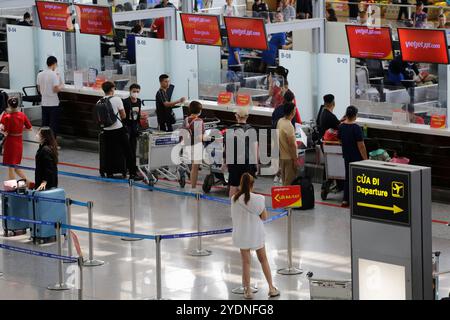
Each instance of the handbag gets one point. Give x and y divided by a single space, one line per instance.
18 186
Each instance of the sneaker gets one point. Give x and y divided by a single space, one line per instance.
274 293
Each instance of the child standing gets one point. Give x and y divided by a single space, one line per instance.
14 123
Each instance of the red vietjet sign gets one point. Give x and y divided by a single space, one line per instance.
369 43
286 197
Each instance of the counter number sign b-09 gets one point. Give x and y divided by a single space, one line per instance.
380 195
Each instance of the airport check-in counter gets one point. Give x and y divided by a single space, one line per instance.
424 146
77 116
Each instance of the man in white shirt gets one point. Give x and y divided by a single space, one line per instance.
116 135
49 84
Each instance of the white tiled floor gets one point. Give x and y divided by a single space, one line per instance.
321 245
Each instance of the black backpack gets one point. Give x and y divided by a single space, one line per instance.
3 100
307 190
105 113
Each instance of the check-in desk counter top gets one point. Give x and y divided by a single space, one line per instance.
423 145
259 117
77 117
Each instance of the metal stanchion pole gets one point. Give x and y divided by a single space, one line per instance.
80 282
91 262
60 285
69 222
290 270
199 252
132 212
436 274
158 269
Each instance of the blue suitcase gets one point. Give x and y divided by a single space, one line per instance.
16 207
48 211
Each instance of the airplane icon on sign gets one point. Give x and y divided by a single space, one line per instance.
398 189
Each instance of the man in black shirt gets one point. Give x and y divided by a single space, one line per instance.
27 22
326 118
164 104
132 107
164 4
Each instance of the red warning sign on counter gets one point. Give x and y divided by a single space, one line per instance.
243 100
286 197
224 98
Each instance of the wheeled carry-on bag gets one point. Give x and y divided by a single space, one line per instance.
15 206
307 190
111 161
48 211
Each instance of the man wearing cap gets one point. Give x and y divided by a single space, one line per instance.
241 145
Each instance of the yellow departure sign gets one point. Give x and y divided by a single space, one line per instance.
379 194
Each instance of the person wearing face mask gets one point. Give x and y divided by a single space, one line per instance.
131 43
46 173
132 107
49 84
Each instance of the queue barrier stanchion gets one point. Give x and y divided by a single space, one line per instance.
158 269
60 285
290 269
80 279
69 222
436 274
132 212
199 252
91 262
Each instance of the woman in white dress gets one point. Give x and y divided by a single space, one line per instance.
248 212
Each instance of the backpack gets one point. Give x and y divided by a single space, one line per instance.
307 190
3 100
105 113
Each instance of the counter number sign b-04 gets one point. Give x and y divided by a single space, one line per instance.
380 195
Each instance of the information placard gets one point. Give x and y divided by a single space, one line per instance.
95 19
201 29
224 98
55 16
423 45
246 33
286 197
369 43
380 195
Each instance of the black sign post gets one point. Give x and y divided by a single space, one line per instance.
390 231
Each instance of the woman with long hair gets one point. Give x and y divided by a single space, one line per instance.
46 174
248 212
14 123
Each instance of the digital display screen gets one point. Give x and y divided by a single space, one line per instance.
246 33
95 20
423 45
369 43
54 16
201 29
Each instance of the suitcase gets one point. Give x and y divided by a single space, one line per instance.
111 161
48 211
16 207
307 189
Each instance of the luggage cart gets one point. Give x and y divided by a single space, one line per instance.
215 151
334 167
155 152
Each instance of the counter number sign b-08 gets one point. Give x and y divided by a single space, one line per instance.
380 195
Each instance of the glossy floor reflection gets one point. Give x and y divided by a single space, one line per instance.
321 243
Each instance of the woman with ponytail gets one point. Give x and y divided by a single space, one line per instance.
248 212
14 122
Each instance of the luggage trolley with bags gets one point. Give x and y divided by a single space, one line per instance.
159 148
334 167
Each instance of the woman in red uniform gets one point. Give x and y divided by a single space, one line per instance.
14 123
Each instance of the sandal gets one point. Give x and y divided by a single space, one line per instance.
248 294
274 293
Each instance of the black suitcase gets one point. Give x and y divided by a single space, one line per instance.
307 190
112 160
